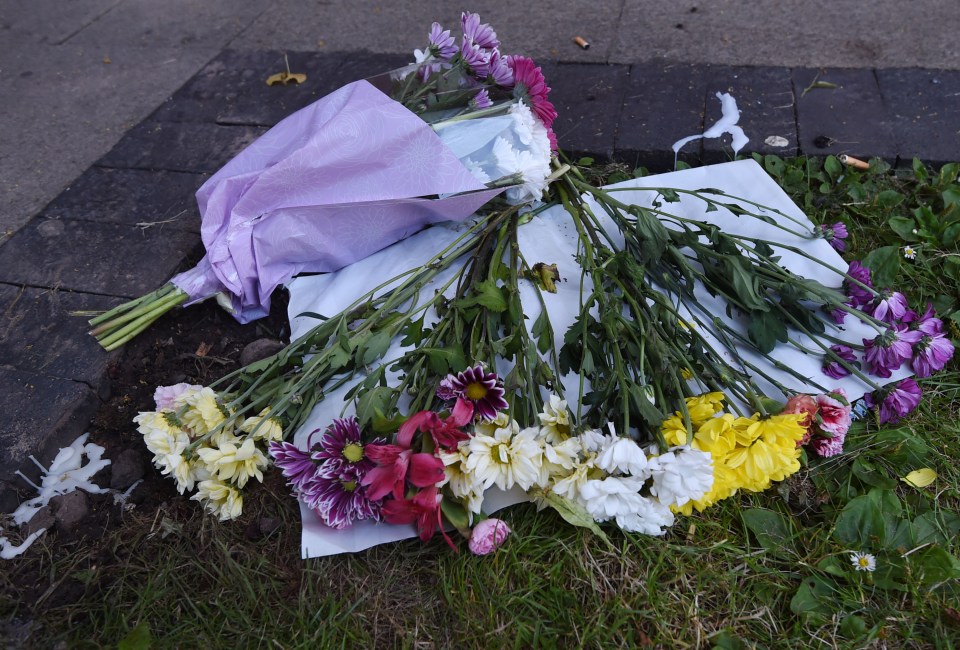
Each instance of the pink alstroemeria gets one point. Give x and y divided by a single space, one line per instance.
446 432
396 465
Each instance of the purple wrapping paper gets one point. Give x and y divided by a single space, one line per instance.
329 185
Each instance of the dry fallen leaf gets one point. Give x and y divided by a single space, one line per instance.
203 349
920 478
285 78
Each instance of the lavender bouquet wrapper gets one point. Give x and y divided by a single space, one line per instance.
329 185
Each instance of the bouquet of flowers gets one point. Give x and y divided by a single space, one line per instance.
654 387
360 169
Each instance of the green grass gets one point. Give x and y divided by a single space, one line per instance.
177 578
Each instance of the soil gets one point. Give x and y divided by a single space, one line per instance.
197 345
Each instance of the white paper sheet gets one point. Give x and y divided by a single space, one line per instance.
551 238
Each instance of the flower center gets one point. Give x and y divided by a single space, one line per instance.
864 562
475 391
352 452
348 486
500 454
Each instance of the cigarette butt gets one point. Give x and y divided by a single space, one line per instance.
582 42
856 163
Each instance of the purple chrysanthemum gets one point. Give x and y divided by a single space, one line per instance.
480 33
483 389
889 350
442 45
860 273
340 446
895 401
832 367
338 497
835 235
931 354
889 306
928 323
500 70
481 100
476 59
297 465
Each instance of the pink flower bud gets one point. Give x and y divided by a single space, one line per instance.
487 536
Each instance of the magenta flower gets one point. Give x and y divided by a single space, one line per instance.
826 447
481 34
297 466
889 306
835 235
931 354
423 509
889 350
442 45
340 446
483 389
530 87
487 536
895 401
337 495
833 415
396 465
832 367
860 295
446 433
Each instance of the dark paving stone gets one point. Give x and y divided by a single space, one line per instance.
765 98
367 65
41 415
850 118
180 146
588 98
97 258
925 108
663 102
232 89
38 334
133 197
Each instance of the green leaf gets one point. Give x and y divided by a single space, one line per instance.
456 514
832 166
371 402
374 347
884 265
745 283
860 525
770 528
486 294
139 638
543 332
904 227
444 360
573 513
814 597
866 472
933 565
765 329
853 627
889 199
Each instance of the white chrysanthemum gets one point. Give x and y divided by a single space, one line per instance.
613 496
489 427
569 486
532 170
681 475
230 462
219 499
593 440
461 482
186 473
555 420
269 430
166 446
476 169
624 456
650 518
504 459
530 131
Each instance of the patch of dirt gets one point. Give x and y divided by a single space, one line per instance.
197 345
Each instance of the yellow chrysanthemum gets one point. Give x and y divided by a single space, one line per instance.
219 499
705 406
230 462
674 431
203 412
269 430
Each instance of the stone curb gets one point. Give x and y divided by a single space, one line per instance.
127 223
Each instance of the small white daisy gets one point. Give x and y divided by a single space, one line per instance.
909 252
863 561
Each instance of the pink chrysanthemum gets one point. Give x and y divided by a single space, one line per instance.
340 445
530 87
483 389
338 497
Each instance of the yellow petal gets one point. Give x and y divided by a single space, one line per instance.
920 478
